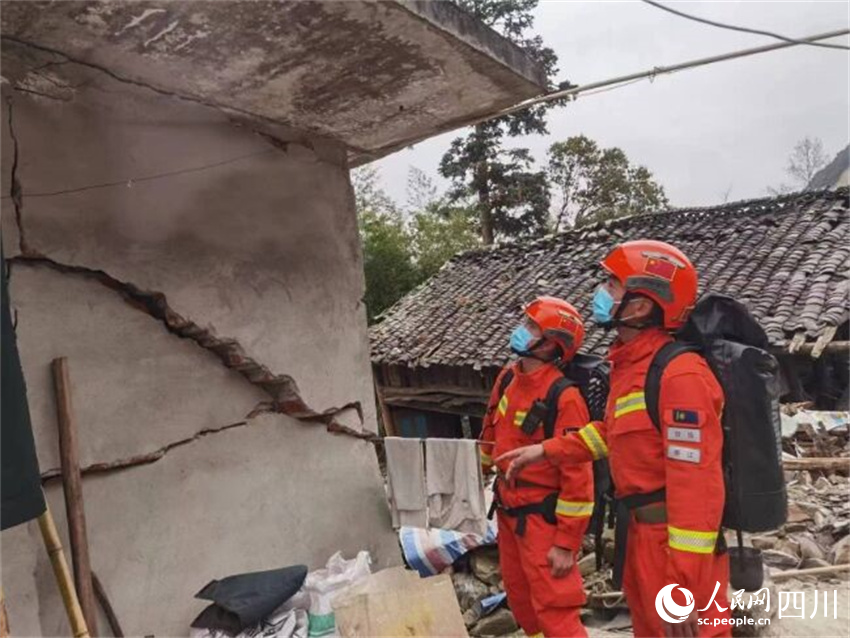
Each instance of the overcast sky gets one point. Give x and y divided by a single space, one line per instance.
703 132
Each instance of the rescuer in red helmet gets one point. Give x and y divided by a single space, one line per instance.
668 480
543 515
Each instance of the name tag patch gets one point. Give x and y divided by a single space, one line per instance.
682 453
689 435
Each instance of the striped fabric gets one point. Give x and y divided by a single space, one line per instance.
594 441
689 540
629 403
503 405
574 509
519 417
431 551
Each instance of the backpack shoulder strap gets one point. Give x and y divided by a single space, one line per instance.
652 385
553 397
505 381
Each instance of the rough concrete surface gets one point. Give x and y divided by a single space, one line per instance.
262 249
269 494
178 258
299 63
135 387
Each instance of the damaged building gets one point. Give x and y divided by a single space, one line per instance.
436 353
178 222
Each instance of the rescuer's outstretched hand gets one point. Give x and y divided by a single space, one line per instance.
519 458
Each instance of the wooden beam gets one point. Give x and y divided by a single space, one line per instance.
827 464
832 347
813 571
386 412
72 483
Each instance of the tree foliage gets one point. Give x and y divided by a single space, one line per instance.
403 248
594 184
509 197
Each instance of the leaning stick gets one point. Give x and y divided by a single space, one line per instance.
63 574
72 483
103 599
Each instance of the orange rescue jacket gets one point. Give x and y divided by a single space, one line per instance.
501 432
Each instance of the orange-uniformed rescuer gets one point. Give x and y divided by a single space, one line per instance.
544 515
669 482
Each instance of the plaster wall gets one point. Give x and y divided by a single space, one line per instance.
180 260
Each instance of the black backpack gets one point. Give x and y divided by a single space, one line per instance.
591 375
733 344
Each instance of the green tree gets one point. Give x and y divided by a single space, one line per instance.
511 199
440 229
593 184
388 249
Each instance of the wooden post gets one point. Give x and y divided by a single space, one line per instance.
72 483
63 574
386 412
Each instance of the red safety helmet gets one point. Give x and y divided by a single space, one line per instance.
558 321
659 271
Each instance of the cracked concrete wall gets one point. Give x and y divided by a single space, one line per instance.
198 276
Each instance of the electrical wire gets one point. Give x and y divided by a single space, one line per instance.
733 27
147 178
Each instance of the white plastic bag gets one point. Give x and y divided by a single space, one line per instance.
323 585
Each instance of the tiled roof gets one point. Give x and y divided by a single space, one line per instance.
786 258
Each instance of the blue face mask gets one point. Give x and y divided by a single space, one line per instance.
521 341
603 307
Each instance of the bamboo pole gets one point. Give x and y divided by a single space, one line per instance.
4 619
72 483
63 574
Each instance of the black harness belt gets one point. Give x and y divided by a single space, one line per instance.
546 508
625 506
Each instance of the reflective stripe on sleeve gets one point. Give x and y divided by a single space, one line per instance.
594 442
629 403
503 405
519 417
689 540
574 508
486 459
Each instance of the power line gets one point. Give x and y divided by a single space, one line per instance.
620 81
733 27
651 73
147 178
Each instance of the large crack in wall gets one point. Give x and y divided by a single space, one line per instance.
281 388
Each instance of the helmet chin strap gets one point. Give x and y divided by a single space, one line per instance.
530 354
617 320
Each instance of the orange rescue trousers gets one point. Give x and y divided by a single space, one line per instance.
541 603
645 573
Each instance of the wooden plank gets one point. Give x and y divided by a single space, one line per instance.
818 463
72 483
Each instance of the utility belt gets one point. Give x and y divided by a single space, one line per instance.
648 509
545 508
